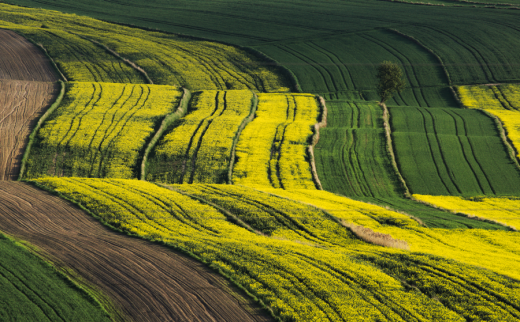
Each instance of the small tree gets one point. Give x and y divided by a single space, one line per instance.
390 80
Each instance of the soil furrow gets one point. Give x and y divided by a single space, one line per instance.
146 282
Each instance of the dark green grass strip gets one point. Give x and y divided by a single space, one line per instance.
32 290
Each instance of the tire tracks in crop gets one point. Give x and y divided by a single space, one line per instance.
146 281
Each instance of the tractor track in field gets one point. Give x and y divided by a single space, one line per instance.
145 281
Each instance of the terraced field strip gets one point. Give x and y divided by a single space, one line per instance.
21 60
21 104
145 281
298 275
272 149
197 148
167 59
351 155
505 211
452 152
100 130
32 290
78 59
502 101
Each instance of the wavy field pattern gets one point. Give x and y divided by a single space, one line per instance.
452 152
197 148
100 130
336 283
272 149
168 59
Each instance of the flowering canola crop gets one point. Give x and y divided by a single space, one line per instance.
298 280
272 149
100 130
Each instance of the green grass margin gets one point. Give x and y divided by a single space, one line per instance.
167 121
42 119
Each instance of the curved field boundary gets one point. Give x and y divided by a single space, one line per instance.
145 281
168 121
127 61
390 148
101 130
35 130
21 60
56 68
249 118
315 139
33 290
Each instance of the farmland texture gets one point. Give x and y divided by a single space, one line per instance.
197 148
352 160
100 130
21 104
452 152
272 150
21 60
345 279
501 101
167 59
326 45
503 210
144 282
33 290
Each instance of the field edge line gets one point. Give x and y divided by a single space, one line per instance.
127 61
461 214
390 148
314 141
248 119
42 119
167 121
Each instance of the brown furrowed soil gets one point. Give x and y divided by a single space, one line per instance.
21 60
21 104
146 281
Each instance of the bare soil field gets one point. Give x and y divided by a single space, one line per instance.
146 281
21 60
21 104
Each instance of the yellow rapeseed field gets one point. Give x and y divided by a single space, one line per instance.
502 210
272 149
100 129
502 101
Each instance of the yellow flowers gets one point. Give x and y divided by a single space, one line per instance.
502 210
100 129
299 281
272 149
198 149
502 101
168 59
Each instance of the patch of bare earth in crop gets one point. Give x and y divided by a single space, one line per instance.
146 281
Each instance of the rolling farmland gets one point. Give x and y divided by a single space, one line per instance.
197 148
452 152
34 290
257 201
166 59
299 284
272 149
142 281
100 130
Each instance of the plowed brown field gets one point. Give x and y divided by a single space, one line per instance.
21 60
147 282
21 104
